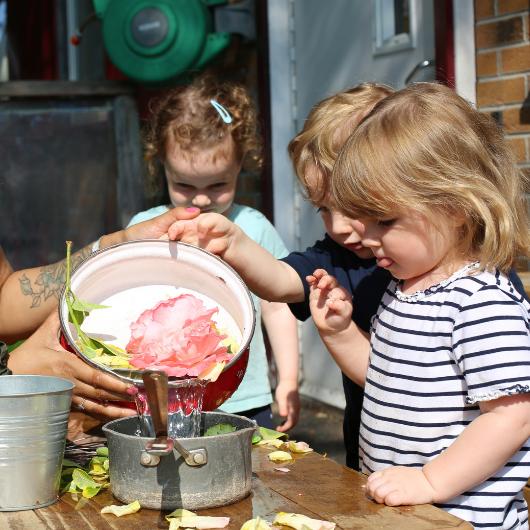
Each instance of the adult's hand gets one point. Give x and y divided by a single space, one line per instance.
94 390
152 229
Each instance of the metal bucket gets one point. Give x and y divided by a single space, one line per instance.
33 421
169 482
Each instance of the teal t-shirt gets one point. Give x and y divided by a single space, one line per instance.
254 391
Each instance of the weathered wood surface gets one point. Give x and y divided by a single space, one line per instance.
315 486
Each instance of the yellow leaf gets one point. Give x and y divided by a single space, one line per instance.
272 443
298 447
279 456
119 511
255 524
181 518
179 512
301 522
113 361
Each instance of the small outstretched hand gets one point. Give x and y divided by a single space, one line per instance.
210 231
288 400
330 304
399 485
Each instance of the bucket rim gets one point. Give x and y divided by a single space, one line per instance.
68 385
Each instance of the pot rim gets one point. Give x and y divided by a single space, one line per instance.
108 428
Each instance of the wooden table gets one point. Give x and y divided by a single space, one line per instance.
315 486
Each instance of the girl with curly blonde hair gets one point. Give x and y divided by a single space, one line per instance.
202 135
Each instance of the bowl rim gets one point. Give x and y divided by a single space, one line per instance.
135 376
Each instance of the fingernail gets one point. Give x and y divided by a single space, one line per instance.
192 209
132 391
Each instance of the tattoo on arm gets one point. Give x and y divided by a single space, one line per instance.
50 279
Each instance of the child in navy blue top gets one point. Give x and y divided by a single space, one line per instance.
313 152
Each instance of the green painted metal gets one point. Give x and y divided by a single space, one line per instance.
154 41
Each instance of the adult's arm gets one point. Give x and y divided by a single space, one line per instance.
28 296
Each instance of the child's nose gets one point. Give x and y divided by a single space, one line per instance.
201 200
339 224
370 237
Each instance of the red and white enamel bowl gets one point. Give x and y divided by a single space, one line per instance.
132 277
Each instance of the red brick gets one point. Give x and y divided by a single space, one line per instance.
511 6
508 31
483 9
486 64
501 91
517 119
518 146
515 59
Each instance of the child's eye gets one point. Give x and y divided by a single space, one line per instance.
386 222
182 186
322 209
218 185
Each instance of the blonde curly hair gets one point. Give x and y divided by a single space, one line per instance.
327 126
425 148
186 117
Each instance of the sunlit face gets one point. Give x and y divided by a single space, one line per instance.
205 179
414 248
343 230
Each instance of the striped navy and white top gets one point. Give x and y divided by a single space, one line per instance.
433 358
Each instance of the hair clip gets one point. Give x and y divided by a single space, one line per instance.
225 115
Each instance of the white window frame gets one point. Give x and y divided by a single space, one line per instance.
381 48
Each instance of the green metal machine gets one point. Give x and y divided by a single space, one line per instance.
153 41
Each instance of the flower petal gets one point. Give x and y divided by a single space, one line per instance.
179 337
301 522
119 511
279 456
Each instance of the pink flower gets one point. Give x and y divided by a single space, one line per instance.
178 337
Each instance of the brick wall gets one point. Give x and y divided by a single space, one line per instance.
502 39
503 68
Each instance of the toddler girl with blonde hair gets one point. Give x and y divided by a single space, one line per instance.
446 372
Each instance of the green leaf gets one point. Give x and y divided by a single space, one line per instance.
220 428
256 438
269 434
91 491
69 463
110 349
83 480
86 307
102 451
94 349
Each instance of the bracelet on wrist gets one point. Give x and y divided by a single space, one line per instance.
4 357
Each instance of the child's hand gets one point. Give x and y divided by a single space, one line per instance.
330 304
288 401
210 231
400 485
